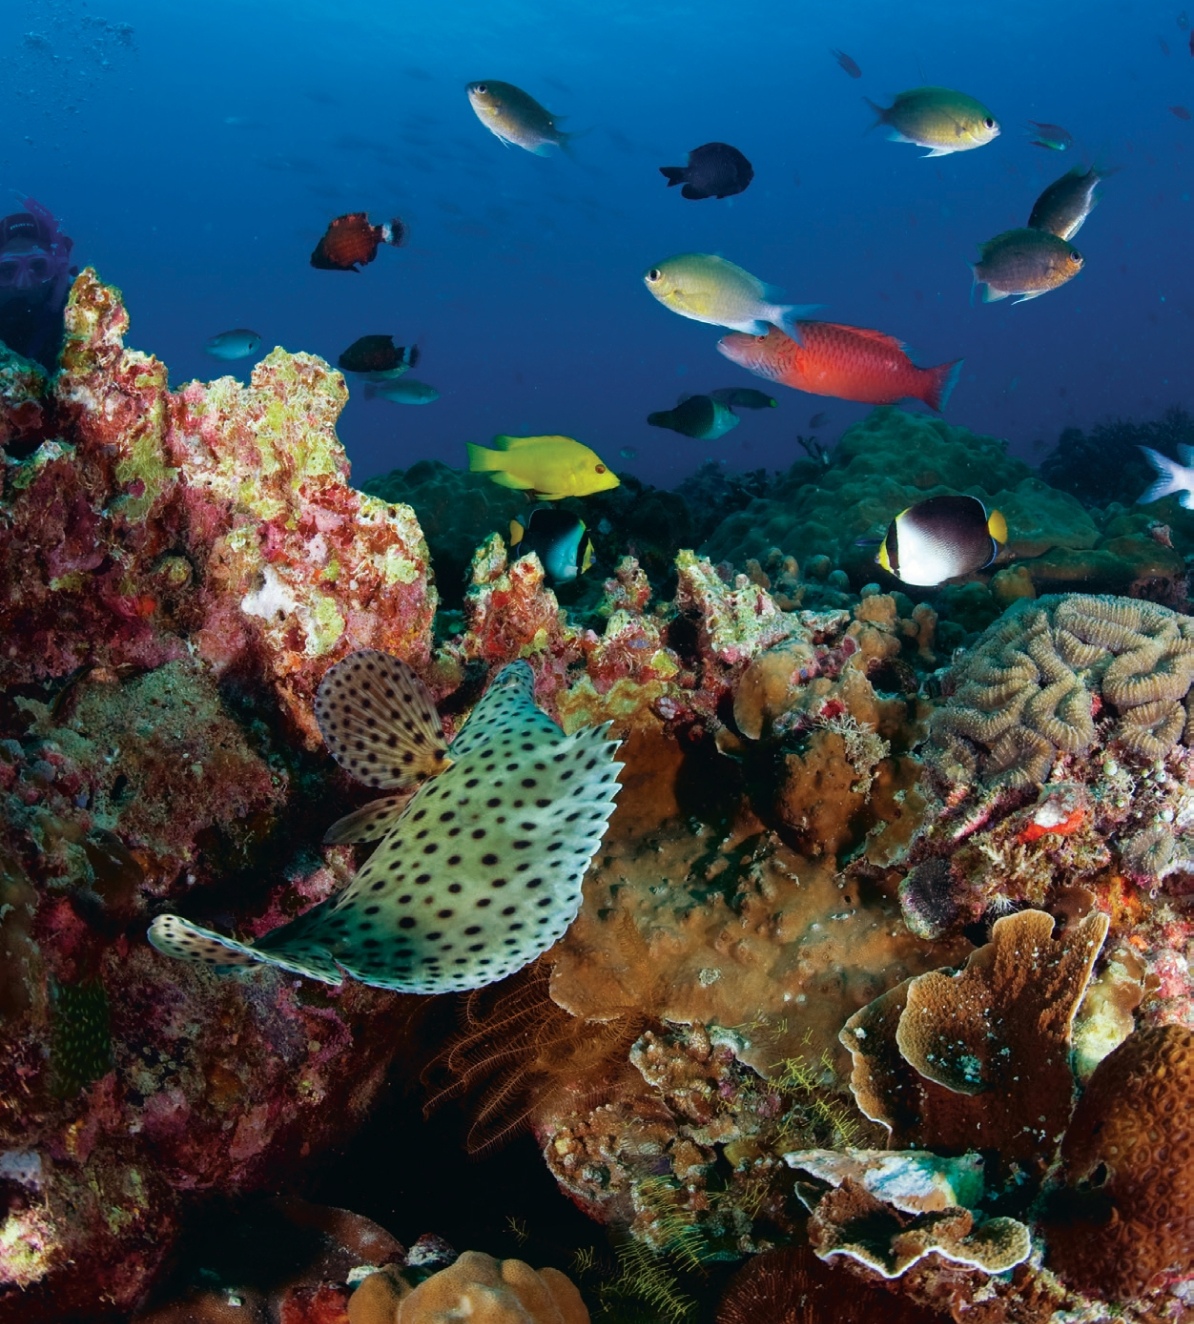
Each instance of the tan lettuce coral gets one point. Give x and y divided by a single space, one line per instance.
979 1060
850 1222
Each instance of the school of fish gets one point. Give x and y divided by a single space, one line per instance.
778 341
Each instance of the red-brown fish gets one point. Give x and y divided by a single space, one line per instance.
846 362
352 241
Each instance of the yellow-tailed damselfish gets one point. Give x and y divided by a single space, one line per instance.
941 538
555 467
558 538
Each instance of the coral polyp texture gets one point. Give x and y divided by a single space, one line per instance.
1124 1215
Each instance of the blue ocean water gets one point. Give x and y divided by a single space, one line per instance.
196 152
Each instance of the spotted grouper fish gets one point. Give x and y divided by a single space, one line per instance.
478 871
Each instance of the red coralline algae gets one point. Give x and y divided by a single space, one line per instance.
220 514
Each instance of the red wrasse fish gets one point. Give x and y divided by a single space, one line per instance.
846 362
351 241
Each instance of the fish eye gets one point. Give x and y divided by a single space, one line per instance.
989 122
1075 256
481 87
654 274
601 468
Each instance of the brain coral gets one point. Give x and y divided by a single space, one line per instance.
1059 676
1127 1212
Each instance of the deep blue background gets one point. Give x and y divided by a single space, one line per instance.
197 166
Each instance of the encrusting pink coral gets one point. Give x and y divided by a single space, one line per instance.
179 569
220 512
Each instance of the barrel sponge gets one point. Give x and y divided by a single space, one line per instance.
1030 690
1126 1213
483 1290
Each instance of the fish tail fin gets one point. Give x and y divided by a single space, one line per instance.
481 460
997 527
410 355
298 951
1169 478
942 380
673 174
787 316
394 232
661 419
880 114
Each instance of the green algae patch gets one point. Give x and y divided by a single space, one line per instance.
325 624
146 464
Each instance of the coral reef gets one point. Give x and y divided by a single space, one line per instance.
769 1023
1125 1214
180 569
218 513
881 465
1058 760
475 1287
980 1060
893 459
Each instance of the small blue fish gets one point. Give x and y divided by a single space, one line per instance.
229 345
401 391
1050 136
